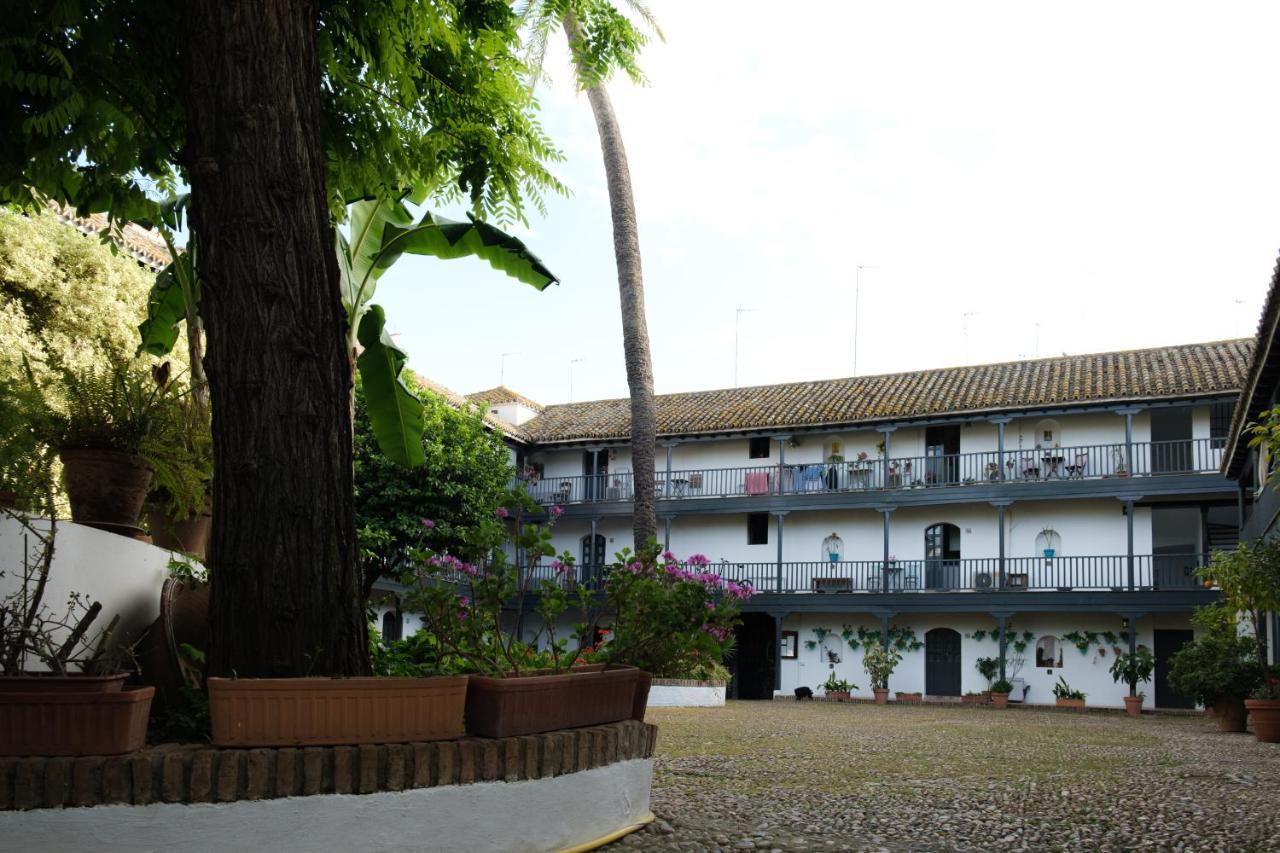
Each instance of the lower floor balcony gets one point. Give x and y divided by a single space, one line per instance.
1103 573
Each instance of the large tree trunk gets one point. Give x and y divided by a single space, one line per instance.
285 590
635 329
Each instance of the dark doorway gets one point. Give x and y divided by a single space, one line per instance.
942 556
942 662
941 449
1176 534
754 657
1168 641
591 558
1171 440
595 465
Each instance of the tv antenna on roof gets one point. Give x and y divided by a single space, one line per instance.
502 366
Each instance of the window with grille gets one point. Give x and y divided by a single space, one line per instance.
1219 423
758 528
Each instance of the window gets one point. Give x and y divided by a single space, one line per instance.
1048 654
392 626
758 528
1219 423
758 448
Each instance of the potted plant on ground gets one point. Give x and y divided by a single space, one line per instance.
879 663
1133 669
910 698
55 710
837 688
1219 668
989 669
180 504
1000 691
1263 705
1065 696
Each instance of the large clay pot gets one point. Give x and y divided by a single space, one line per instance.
1133 706
1265 715
881 694
999 700
1231 715
104 486
183 619
190 536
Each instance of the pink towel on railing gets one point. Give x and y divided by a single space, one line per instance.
757 483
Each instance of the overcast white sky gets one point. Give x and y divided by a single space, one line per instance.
1074 178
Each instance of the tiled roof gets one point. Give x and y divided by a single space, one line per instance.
1264 372
1191 370
503 394
458 401
144 246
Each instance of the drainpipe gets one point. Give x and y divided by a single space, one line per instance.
884 571
1003 575
779 516
884 629
1002 620
1132 619
1128 511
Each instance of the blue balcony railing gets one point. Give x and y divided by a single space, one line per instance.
1034 465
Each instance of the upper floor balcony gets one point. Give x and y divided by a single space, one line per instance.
1010 467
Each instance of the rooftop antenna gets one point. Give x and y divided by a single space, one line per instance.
572 362
857 311
737 321
502 366
964 322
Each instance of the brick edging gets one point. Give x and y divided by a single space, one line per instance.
172 773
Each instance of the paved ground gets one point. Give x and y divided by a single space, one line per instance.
787 776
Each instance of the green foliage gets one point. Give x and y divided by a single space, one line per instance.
1249 575
704 670
25 461
837 685
179 447
1062 690
1001 686
427 95
880 663
989 669
1133 669
465 473
418 656
605 40
1082 640
115 407
1265 433
1219 664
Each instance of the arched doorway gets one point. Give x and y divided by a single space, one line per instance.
942 556
942 662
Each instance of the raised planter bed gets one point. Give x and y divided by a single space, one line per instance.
982 698
48 682
316 711
1074 704
529 704
909 698
56 720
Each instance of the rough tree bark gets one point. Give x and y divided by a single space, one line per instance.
635 329
285 590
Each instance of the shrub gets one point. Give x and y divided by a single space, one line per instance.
837 685
1002 686
880 663
1133 669
1062 690
1219 665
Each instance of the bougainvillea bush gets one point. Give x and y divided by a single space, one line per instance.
656 612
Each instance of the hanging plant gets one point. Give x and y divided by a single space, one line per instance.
821 633
850 638
810 644
978 635
1111 637
1022 641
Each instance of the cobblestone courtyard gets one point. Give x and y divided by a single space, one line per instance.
822 776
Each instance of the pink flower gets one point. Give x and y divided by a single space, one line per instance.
559 567
501 512
428 523
667 556
557 511
698 560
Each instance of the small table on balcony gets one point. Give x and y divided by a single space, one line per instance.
1052 462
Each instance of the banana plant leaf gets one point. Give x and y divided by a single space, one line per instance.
395 412
167 304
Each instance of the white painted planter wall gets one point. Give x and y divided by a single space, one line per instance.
121 573
532 816
686 696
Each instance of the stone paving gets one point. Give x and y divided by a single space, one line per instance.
788 776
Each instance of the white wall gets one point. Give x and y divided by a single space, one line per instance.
124 575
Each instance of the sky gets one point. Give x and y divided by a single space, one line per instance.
1017 180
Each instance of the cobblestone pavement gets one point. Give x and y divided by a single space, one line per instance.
815 776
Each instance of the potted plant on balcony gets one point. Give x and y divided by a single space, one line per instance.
1219 668
1067 697
993 471
837 688
1133 669
1000 691
55 710
879 663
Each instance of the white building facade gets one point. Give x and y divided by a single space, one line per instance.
1066 502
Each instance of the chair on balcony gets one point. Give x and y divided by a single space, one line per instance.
1076 469
1030 468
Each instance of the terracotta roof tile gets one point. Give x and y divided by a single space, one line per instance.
502 394
1190 370
458 401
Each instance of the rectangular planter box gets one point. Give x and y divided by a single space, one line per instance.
529 704
330 711
1077 704
42 683
59 722
910 698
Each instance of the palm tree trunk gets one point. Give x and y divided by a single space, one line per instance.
635 330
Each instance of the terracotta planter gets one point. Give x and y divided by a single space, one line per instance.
1077 704
1133 706
529 704
57 721
1231 715
644 682
183 619
909 698
838 695
999 700
881 694
104 486
190 536
976 698
326 711
49 683
1265 716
